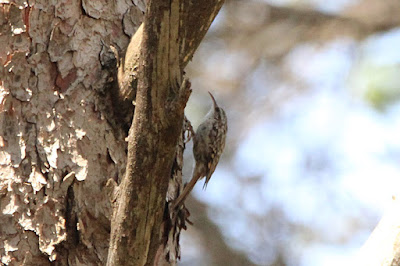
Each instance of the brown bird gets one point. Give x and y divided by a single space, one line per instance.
208 145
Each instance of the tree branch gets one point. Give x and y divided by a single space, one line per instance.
157 125
282 28
196 21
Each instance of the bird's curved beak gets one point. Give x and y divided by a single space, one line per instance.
213 99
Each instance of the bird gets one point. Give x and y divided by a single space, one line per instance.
208 145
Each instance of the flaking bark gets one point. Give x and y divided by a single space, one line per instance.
60 135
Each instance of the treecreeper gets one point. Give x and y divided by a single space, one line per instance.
208 145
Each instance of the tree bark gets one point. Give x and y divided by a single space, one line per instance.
57 147
136 236
195 20
61 138
157 123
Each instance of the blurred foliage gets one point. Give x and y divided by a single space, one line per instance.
379 85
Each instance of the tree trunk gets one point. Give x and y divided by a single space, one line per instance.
62 133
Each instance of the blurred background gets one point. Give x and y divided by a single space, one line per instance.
311 89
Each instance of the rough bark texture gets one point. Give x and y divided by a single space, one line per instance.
196 21
62 136
57 149
153 138
157 123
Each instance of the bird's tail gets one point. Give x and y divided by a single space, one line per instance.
188 188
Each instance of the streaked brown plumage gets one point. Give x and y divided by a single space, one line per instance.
208 145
